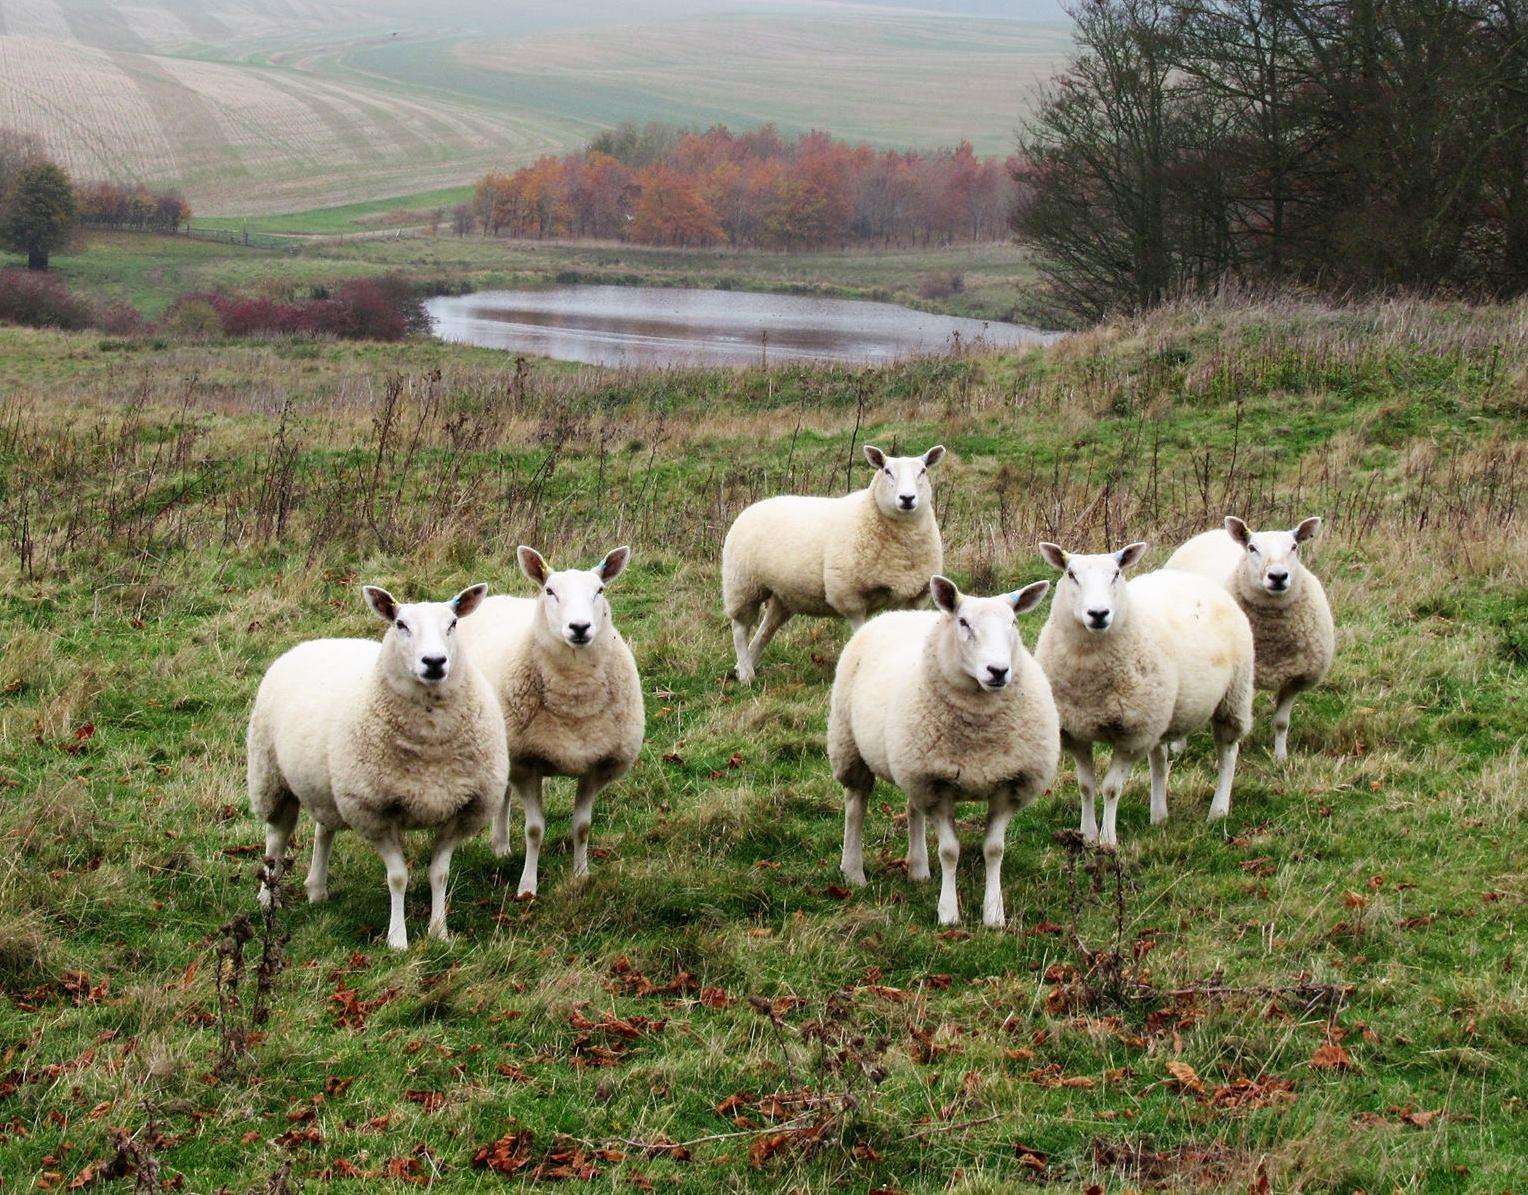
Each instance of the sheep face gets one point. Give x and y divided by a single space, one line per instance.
572 607
1271 559
1092 588
420 646
981 634
902 486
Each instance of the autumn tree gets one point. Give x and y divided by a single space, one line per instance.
671 211
38 213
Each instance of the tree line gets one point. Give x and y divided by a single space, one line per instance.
41 207
659 185
1353 145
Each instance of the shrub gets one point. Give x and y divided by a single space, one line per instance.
941 284
385 308
192 316
40 301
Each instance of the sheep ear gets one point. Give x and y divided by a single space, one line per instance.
1238 530
381 601
875 456
614 565
1054 555
946 595
1029 597
933 456
1307 529
469 599
532 564
1129 554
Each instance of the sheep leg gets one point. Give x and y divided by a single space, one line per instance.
1120 764
1000 810
917 842
1087 785
318 870
744 667
440 871
589 787
391 850
279 824
856 795
1281 715
949 856
498 833
1221 804
1160 764
775 617
528 789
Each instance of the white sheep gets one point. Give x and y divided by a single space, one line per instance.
384 737
948 706
1282 599
570 692
1137 664
824 557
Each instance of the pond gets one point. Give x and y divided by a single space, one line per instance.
648 326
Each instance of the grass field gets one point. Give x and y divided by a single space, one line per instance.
1324 992
278 105
152 271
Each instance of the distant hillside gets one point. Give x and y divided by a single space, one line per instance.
274 105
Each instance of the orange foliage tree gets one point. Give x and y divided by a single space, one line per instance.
753 188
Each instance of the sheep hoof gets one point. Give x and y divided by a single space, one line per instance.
439 932
501 850
317 896
526 894
854 878
994 919
398 941
1217 813
949 919
919 874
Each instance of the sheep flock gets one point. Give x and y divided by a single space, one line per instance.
467 705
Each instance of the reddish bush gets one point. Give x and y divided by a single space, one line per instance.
41 301
385 308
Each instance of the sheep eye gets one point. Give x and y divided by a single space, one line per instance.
452 627
600 592
1118 573
401 625
965 624
1252 548
550 592
1070 575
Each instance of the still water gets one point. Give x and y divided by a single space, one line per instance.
657 326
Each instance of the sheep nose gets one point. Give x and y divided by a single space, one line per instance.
908 501
579 631
997 674
1278 579
1098 617
434 666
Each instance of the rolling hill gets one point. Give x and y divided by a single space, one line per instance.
259 106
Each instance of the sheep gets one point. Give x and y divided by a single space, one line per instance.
870 550
1282 599
570 692
384 737
1137 664
948 706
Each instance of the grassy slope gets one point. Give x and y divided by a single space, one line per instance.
260 111
151 271
1385 855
